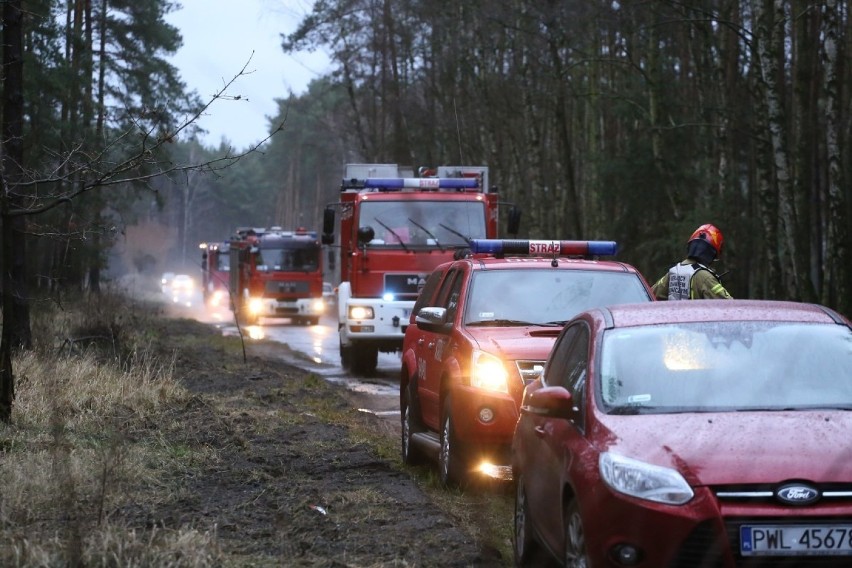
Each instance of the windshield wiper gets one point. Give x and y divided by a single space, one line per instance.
500 322
427 231
392 232
456 233
629 409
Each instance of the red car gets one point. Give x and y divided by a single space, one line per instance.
480 330
690 434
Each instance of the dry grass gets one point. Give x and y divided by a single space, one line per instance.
81 445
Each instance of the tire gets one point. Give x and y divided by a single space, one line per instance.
451 463
575 555
364 360
524 546
346 357
411 455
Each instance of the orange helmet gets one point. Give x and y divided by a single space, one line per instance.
712 235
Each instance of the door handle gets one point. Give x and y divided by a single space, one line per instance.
539 431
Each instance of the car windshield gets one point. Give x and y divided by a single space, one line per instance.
545 296
726 366
429 223
294 257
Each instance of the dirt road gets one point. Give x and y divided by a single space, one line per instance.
301 476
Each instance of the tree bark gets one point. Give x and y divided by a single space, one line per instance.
16 314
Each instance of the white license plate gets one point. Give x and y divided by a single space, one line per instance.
796 540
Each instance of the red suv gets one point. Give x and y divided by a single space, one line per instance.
481 330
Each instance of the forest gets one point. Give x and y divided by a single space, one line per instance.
634 121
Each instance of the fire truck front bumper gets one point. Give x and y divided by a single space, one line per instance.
372 320
302 307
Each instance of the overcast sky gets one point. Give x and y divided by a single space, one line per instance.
219 38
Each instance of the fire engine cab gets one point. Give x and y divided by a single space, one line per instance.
276 274
481 330
394 229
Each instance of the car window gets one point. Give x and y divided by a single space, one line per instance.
428 290
556 366
547 296
447 286
726 366
452 301
567 366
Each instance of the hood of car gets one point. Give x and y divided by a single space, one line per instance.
736 447
516 342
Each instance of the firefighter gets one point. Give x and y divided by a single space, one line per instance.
692 279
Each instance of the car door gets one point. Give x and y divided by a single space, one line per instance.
430 350
556 436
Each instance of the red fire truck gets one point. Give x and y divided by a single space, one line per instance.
215 277
276 274
394 229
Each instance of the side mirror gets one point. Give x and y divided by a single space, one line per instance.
514 220
365 235
550 402
328 226
433 319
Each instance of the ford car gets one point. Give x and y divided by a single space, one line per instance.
681 434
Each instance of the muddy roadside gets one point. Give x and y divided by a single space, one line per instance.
301 477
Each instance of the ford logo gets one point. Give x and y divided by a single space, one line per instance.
797 494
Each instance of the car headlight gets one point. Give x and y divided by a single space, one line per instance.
643 480
255 305
361 313
318 305
488 372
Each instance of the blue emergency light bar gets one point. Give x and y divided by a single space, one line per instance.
500 247
422 183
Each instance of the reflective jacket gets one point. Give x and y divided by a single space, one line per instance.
690 280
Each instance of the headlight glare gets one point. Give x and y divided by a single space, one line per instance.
361 312
255 305
488 373
643 480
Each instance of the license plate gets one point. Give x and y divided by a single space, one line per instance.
796 540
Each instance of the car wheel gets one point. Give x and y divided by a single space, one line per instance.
410 425
524 544
450 460
575 540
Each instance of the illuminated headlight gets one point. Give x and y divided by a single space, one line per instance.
489 373
255 305
387 297
643 480
318 306
361 313
216 298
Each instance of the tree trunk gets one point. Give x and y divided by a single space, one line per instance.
837 265
16 312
